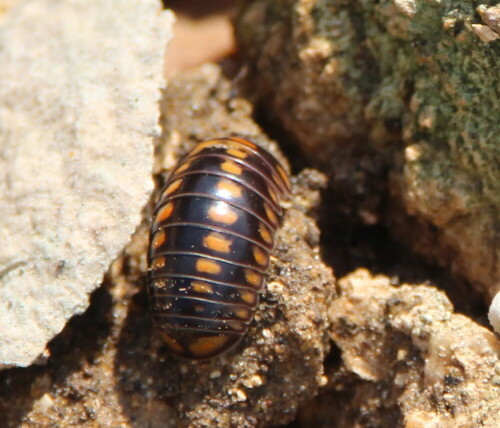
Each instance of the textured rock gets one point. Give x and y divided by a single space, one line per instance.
5 5
406 85
491 17
407 360
79 86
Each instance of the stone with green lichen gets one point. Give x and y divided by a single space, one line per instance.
413 82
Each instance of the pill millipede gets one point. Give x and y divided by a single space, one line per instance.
212 234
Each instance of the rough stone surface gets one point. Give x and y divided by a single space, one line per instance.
406 360
79 85
490 16
5 5
398 89
108 368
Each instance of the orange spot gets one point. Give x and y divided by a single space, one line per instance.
164 213
159 238
172 187
201 287
277 180
171 342
199 308
236 325
260 256
231 167
229 189
242 314
253 278
273 218
158 262
183 167
265 234
221 213
248 297
237 153
207 345
207 266
216 241
284 176
274 197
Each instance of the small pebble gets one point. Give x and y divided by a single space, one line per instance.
494 313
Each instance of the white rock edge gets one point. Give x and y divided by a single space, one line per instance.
22 345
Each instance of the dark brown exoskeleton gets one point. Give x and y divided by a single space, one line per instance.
211 238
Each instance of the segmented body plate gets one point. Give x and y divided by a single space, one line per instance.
212 233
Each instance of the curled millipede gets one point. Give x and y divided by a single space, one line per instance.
211 237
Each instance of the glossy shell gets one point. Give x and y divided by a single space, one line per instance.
211 237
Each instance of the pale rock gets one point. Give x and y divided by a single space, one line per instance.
79 88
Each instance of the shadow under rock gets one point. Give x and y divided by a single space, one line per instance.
357 188
349 401
347 244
